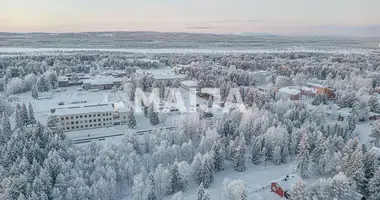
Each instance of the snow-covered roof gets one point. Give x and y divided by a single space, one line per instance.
120 106
288 90
344 112
315 84
288 181
190 83
63 78
169 76
102 80
84 110
308 89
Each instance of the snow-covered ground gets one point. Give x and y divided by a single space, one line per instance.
255 177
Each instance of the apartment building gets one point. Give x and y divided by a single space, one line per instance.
92 116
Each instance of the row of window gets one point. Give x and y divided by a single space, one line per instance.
91 125
89 121
85 116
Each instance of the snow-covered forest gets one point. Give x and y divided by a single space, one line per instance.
39 162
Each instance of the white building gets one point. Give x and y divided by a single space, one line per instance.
187 85
102 83
80 117
289 92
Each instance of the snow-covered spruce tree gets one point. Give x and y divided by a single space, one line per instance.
373 104
176 183
303 158
256 150
375 134
374 186
139 187
24 114
35 91
31 117
18 116
151 187
370 167
218 155
352 122
276 155
7 129
239 155
202 193
132 94
299 191
354 169
153 115
205 173
131 118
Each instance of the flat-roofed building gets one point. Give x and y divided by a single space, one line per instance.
101 83
88 116
187 85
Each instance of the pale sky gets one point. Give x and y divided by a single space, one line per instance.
211 16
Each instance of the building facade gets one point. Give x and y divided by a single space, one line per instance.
89 117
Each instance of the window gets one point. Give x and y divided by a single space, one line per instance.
81 116
90 125
76 117
99 124
124 117
67 118
86 126
81 126
71 117
104 115
63 124
98 115
104 124
62 118
85 121
90 120
77 126
95 125
94 115
72 122
85 116
68 128
76 122
72 127
63 128
98 120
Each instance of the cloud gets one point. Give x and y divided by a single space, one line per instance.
199 27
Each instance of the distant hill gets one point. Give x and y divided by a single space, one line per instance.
258 34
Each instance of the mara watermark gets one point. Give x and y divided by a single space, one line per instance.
187 101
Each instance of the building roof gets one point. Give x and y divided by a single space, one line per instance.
190 83
120 106
288 90
63 78
169 76
84 110
101 80
288 181
315 84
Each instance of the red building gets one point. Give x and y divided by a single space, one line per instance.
283 186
